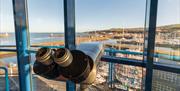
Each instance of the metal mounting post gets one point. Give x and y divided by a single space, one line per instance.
69 23
149 43
22 43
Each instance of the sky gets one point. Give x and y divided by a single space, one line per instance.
47 15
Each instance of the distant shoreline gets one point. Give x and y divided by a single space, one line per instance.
6 54
113 33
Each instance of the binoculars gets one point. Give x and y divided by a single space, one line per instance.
63 64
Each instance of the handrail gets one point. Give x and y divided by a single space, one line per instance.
33 46
8 50
166 56
157 55
140 63
127 61
6 77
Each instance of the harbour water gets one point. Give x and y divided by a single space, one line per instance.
36 38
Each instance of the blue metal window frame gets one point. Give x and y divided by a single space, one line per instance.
23 52
149 39
69 24
22 44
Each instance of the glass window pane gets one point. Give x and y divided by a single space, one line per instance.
167 45
46 26
168 32
46 22
6 23
117 24
7 37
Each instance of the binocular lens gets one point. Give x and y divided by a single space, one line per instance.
43 56
63 57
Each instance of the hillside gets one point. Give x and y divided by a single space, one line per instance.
165 28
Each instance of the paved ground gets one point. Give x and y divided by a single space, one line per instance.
42 84
13 81
38 84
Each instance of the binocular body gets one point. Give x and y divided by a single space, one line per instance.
62 64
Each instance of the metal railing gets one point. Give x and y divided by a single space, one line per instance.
6 78
113 59
140 63
124 60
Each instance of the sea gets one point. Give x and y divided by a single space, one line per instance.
33 37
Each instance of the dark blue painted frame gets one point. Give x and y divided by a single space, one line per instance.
149 40
22 43
69 24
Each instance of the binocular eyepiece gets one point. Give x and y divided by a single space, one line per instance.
63 57
47 56
44 56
